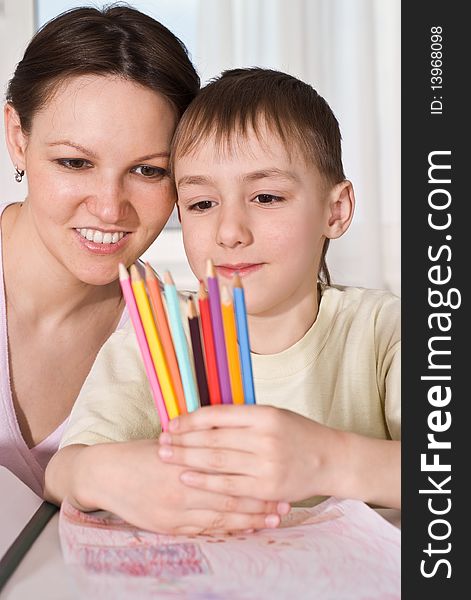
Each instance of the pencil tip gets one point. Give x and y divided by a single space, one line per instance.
191 307
210 270
149 271
202 290
123 272
236 282
135 275
168 278
225 295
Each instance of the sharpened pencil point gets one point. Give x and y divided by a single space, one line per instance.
168 278
202 293
123 272
225 295
210 270
150 273
191 308
236 282
135 275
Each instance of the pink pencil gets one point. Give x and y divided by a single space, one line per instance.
125 281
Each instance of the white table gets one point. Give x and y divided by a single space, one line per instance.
43 574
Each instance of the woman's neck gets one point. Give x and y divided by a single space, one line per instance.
37 286
275 331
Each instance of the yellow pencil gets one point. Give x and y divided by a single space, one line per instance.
153 340
230 334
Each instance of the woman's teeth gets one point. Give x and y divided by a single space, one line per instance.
98 237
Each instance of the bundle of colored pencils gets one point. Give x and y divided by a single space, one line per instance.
214 366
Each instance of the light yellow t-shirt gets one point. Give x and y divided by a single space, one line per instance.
344 373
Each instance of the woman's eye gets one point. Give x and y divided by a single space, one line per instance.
267 199
74 163
150 172
201 206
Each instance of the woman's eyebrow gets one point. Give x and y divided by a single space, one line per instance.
88 152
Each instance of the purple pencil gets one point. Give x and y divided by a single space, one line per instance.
218 332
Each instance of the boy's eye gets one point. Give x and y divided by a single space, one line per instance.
76 164
150 172
201 206
267 199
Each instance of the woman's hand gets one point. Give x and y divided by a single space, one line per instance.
254 451
130 480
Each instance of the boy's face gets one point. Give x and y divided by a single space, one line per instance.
257 210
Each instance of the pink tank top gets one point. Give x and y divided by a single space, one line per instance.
28 464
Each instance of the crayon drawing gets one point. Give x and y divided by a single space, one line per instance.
338 549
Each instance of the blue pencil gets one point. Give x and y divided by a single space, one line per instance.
180 343
243 338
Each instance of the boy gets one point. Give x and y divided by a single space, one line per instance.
261 190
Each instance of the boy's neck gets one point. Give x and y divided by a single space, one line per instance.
273 333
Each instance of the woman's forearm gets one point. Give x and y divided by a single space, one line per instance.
72 473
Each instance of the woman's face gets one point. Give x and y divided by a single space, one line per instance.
96 161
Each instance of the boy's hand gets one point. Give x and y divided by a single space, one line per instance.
254 451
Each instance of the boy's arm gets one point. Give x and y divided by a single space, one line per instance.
269 453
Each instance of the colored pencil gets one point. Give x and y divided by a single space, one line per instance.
230 335
155 296
244 342
218 332
209 350
128 294
180 343
198 357
154 342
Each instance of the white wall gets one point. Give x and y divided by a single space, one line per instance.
16 28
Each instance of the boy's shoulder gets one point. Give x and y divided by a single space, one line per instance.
352 296
361 303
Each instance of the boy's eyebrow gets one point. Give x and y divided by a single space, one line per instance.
264 173
164 154
194 180
252 176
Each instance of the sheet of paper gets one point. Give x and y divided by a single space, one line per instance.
338 549
18 503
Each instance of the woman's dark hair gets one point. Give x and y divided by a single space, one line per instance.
117 40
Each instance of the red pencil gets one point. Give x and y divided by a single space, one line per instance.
209 350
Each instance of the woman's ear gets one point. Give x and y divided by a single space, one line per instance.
16 140
341 205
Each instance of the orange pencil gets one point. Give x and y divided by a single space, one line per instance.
209 350
156 301
232 349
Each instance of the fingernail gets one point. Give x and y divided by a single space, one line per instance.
272 521
165 452
165 438
173 424
283 508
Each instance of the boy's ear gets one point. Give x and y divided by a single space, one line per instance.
15 138
341 205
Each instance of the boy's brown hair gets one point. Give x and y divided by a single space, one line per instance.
243 99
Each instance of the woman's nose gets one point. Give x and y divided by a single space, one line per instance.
109 202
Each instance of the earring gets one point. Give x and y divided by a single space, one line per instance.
19 174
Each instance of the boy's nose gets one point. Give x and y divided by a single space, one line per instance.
233 229
109 202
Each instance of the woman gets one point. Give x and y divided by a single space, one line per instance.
90 113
